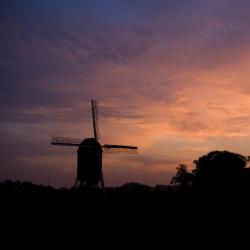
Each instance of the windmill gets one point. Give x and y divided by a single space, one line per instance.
89 153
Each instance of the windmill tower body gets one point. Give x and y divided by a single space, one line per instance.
89 162
89 153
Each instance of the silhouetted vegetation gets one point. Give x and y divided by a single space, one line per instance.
183 179
222 174
217 175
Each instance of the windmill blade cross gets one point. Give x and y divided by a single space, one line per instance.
64 141
110 148
94 105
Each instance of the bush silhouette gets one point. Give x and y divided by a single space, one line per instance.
220 173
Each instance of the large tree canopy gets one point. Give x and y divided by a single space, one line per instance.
220 171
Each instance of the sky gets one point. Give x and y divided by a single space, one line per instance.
172 77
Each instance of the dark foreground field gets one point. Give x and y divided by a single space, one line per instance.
131 199
129 213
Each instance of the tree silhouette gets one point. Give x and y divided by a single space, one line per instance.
183 178
220 172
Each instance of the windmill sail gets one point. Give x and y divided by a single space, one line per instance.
63 141
110 148
94 104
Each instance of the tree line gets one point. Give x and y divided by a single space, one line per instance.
218 173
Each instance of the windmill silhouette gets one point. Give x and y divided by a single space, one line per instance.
89 153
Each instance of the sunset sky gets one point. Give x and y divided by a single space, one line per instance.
172 77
